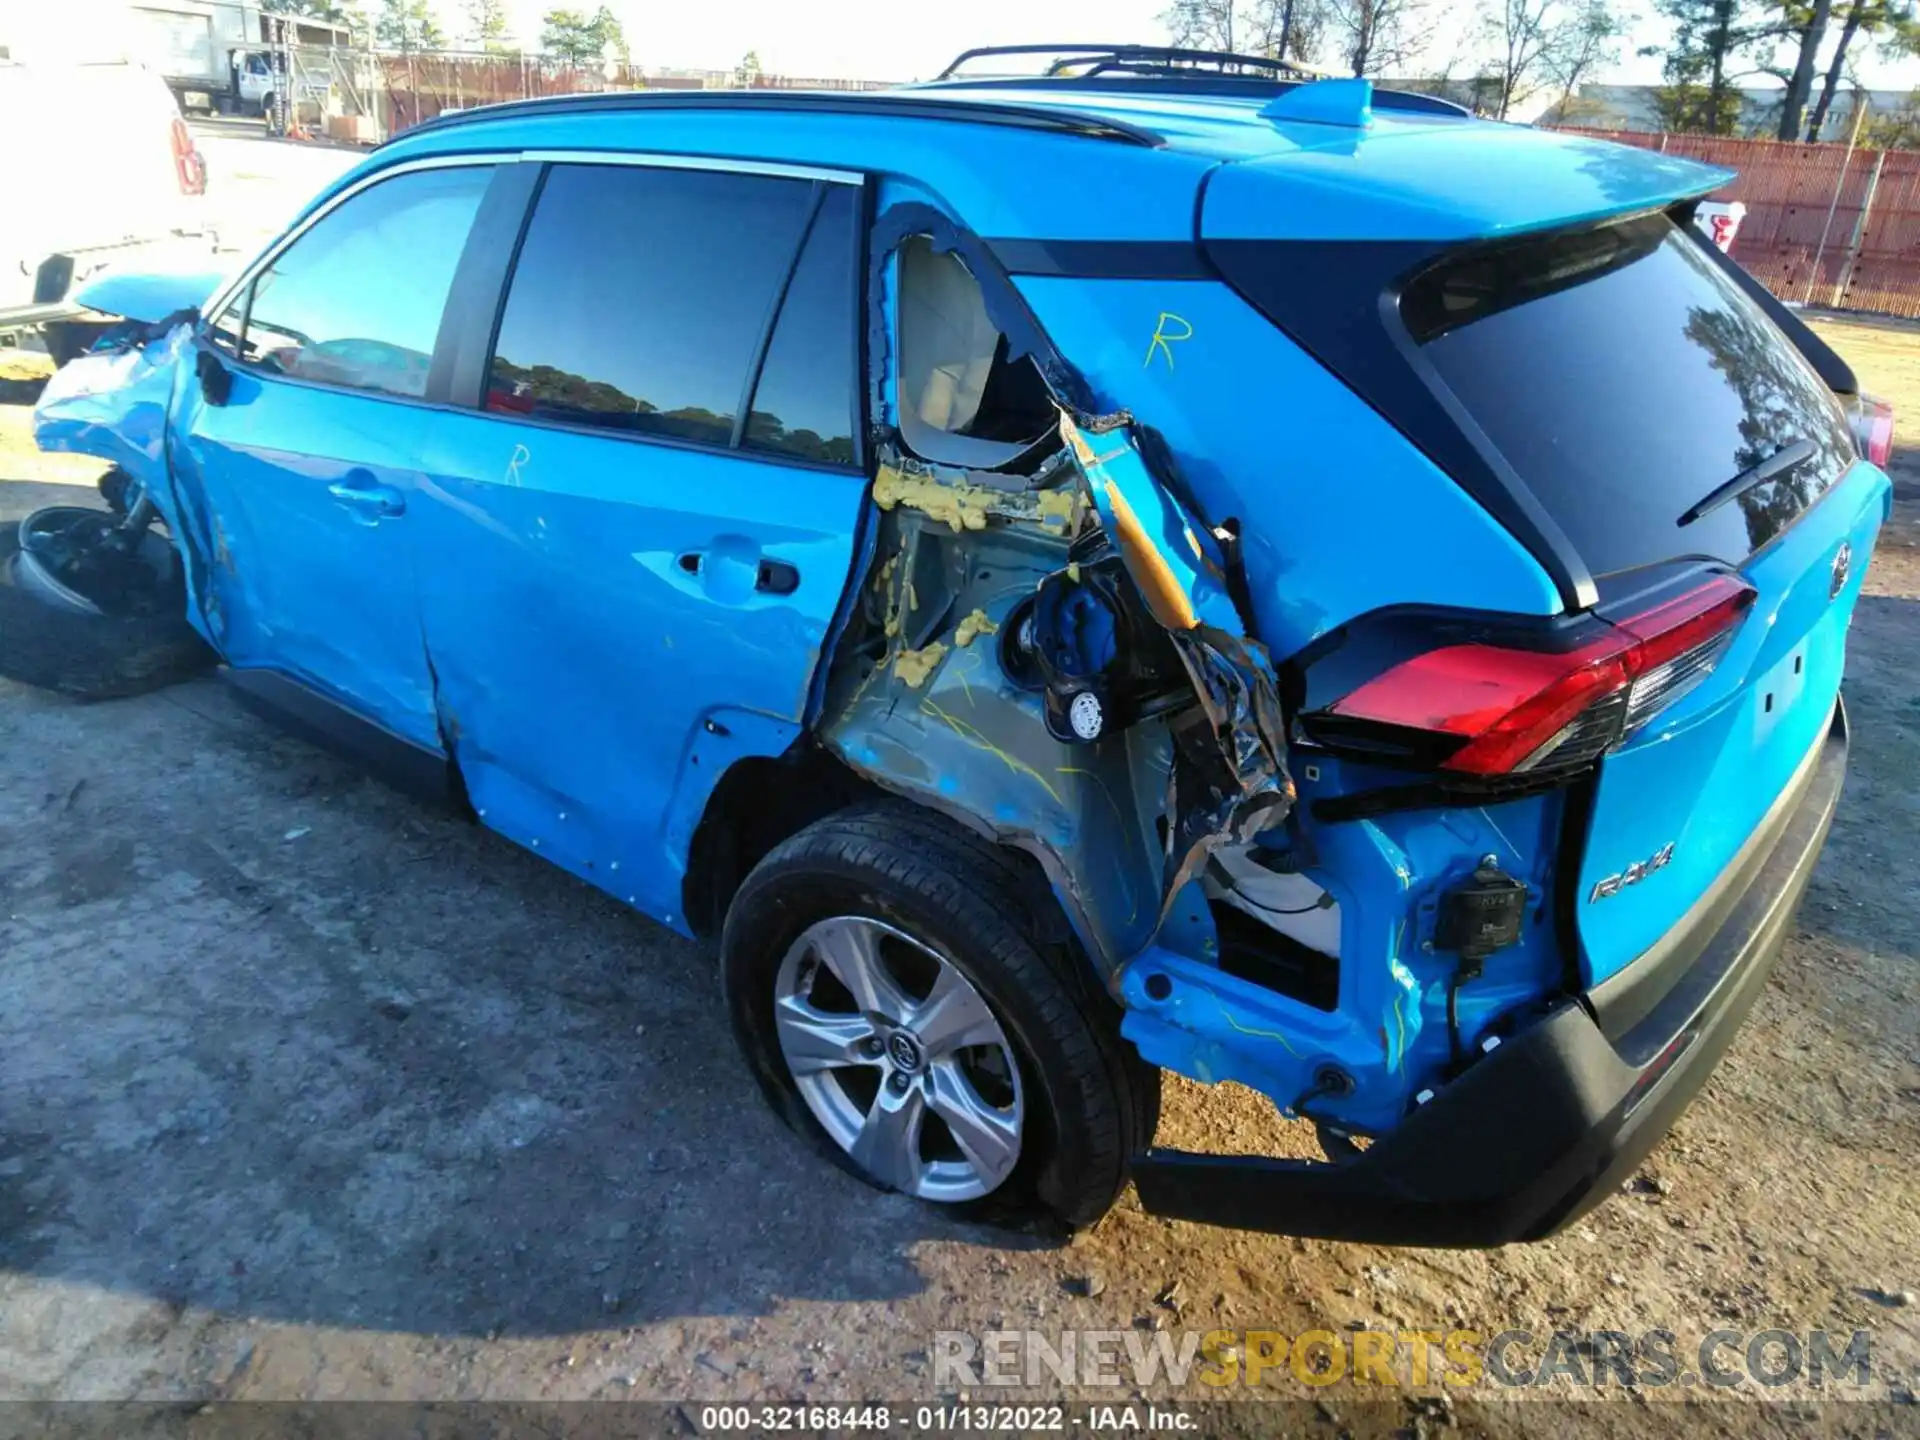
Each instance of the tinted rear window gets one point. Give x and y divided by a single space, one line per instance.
1623 376
640 295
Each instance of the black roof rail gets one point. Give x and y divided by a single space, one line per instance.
1198 83
1168 60
904 103
1118 69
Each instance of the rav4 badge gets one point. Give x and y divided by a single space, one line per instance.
1632 875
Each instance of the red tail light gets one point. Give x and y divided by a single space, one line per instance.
188 168
1872 427
1516 710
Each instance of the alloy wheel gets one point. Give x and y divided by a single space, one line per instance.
899 1058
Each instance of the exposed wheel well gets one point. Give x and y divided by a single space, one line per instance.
760 802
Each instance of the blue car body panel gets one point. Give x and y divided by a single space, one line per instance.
572 617
310 558
601 653
1700 775
149 295
1443 181
1263 432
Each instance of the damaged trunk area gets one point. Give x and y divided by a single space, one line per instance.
1045 643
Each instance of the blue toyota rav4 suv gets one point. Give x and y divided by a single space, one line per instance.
1158 564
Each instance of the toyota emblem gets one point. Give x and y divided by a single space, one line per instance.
1842 567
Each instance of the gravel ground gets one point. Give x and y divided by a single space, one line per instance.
308 1092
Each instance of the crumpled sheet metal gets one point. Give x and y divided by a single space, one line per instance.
1230 781
951 731
114 404
951 728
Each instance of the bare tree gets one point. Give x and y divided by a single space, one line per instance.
1518 35
1589 41
1378 35
1201 24
1284 29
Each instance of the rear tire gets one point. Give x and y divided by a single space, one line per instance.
89 657
1085 1102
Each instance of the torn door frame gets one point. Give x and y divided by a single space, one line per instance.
1121 825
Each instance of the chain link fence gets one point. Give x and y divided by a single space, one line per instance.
1831 225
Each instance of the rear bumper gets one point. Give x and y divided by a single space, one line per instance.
1544 1128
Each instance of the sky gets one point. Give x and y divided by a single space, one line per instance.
888 40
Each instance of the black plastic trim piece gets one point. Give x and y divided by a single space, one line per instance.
899 104
1469 791
1104 259
300 710
1128 78
1826 361
461 350
751 382
1544 1128
1086 52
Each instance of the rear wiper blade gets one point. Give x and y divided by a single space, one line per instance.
1790 456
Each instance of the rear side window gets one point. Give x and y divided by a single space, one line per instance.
356 300
641 303
964 399
1623 376
805 401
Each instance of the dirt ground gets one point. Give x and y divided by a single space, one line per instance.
308 1092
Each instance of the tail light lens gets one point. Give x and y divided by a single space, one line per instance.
1503 710
188 168
1872 420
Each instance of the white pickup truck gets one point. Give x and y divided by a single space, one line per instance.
124 185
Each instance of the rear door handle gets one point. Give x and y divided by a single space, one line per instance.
777 577
370 501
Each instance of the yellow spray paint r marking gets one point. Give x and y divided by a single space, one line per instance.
1227 1015
1164 339
980 742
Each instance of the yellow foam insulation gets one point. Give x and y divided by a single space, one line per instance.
914 666
958 503
962 505
1059 509
975 624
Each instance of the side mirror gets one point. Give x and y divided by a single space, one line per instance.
216 381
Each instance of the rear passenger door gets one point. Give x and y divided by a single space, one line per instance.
643 529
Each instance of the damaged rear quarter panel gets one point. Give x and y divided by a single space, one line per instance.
938 721
1121 824
1340 515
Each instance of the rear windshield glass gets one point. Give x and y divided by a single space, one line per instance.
1623 376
